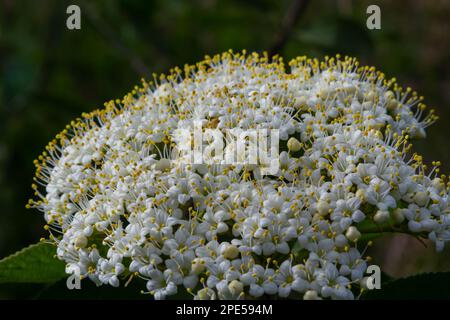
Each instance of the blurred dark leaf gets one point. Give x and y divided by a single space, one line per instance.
353 37
321 33
422 286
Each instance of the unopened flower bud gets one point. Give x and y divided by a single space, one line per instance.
294 145
230 252
361 194
162 164
438 184
311 295
421 198
389 95
381 216
391 104
371 95
300 101
323 207
325 93
81 241
353 234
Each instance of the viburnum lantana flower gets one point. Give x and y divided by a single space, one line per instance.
119 206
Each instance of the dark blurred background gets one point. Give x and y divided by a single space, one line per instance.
50 75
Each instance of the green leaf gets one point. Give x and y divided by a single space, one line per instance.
366 237
422 286
34 264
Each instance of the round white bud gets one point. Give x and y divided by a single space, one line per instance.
381 216
371 95
162 164
438 184
353 234
230 252
361 194
294 145
300 101
323 207
311 295
326 93
391 104
389 95
81 241
421 198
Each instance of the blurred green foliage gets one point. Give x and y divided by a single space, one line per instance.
50 75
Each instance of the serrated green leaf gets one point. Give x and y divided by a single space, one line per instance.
422 286
34 264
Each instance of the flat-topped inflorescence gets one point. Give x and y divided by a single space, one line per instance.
119 208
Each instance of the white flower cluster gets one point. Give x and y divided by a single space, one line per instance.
120 210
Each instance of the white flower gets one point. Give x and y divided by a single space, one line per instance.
122 205
110 270
160 284
378 194
285 279
333 285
